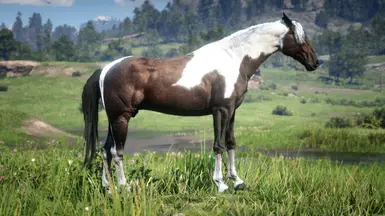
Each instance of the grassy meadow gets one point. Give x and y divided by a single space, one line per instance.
43 175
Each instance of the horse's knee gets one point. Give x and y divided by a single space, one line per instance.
219 147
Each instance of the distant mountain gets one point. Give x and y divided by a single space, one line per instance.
103 23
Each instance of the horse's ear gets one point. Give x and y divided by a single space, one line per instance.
287 21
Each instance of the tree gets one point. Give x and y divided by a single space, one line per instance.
64 30
17 28
115 50
3 26
153 52
322 19
347 63
206 11
8 45
126 27
329 42
36 32
64 49
88 42
47 31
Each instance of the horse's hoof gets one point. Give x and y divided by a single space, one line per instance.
222 188
240 187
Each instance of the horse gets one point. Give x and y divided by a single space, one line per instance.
211 80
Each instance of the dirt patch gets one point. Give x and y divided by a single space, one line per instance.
17 68
38 128
58 69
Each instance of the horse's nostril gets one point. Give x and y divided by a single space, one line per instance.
317 62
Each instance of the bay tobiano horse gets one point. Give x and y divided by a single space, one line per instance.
211 80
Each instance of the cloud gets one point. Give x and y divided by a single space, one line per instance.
132 3
39 2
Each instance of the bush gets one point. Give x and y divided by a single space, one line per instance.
294 87
76 74
342 140
3 88
339 122
368 121
313 114
314 100
303 101
379 114
364 103
250 98
267 87
282 111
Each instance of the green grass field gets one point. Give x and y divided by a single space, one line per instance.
52 182
43 181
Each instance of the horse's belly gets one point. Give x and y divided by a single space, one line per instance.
178 101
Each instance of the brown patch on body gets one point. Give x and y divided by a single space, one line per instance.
148 84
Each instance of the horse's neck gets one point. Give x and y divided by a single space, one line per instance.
253 41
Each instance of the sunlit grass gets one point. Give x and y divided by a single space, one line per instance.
52 182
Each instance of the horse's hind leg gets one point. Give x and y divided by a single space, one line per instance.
119 134
107 158
231 144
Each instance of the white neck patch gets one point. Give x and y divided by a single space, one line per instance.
225 55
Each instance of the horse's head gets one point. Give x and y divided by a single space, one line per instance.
296 45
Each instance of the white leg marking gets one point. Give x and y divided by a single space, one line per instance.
231 172
104 175
119 167
104 73
218 177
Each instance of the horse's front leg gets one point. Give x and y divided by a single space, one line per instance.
231 144
221 118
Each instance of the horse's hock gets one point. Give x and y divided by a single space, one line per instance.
16 68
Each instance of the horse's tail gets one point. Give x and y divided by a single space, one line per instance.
90 107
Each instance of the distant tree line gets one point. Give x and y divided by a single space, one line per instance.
195 25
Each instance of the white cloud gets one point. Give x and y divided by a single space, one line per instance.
39 2
102 18
132 3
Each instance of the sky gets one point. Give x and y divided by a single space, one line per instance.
71 12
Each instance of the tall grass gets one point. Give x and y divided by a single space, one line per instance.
53 182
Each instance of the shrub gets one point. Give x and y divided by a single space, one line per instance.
294 87
364 103
313 114
3 88
267 87
342 139
339 122
379 114
282 111
314 100
303 101
250 98
76 74
368 121
273 86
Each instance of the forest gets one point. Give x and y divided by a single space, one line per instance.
193 25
